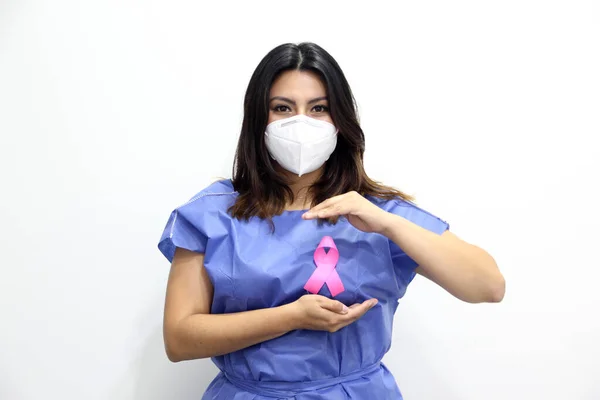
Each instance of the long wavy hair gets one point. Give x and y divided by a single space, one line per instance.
262 191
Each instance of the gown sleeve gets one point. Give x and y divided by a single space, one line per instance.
403 264
181 232
192 224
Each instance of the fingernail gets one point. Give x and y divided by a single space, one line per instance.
344 309
372 302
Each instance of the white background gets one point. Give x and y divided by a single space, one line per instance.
113 113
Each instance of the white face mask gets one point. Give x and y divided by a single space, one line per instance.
300 144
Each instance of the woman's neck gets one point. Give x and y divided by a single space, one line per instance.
300 186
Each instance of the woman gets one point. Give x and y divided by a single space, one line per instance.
288 275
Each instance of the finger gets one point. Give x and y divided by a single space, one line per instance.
361 309
312 213
328 203
355 312
334 306
340 208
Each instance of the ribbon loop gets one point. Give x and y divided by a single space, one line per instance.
325 272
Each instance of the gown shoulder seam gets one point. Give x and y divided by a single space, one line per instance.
200 195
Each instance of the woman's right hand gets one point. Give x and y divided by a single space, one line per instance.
316 312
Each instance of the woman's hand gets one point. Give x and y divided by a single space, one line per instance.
360 212
319 313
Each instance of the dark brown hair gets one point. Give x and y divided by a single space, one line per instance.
262 191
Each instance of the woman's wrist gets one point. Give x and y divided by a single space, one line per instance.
291 317
389 222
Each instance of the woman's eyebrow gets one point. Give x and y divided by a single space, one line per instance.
283 99
315 100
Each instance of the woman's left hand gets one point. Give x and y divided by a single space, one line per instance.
359 211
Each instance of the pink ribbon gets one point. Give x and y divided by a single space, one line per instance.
325 272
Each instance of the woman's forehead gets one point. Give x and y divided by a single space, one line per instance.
298 85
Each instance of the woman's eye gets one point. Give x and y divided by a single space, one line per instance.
320 109
281 108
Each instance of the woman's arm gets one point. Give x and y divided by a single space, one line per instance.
464 270
191 332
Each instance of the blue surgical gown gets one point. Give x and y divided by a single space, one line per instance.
252 267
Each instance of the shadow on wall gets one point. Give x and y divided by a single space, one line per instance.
156 378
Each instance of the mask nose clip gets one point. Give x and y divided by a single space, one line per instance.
289 123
